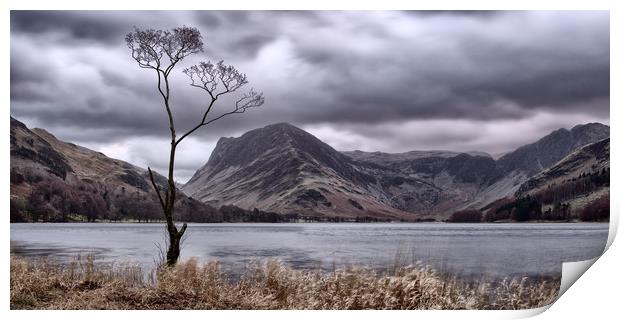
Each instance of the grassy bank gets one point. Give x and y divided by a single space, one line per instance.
82 284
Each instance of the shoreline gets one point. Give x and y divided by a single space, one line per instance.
313 222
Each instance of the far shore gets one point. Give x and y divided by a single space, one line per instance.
314 222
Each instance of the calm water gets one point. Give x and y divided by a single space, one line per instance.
491 250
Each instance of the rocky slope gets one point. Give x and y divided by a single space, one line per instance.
576 181
431 186
575 188
518 166
56 179
544 153
586 160
39 151
388 159
284 169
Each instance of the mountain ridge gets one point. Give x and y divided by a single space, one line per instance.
53 180
284 169
534 157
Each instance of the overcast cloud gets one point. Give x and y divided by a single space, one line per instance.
388 81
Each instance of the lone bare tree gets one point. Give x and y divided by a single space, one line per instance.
161 51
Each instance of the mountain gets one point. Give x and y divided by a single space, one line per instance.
575 188
387 159
577 180
544 153
55 180
585 160
281 173
431 186
284 169
38 150
518 166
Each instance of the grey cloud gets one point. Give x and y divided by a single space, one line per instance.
481 70
93 27
250 44
464 13
71 71
78 25
113 79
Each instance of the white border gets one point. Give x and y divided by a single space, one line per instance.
597 296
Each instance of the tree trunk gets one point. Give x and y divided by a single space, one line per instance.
174 246
174 235
174 250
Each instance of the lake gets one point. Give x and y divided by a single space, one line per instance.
468 250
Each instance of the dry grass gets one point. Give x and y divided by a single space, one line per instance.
82 284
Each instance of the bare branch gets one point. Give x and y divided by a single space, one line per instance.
249 100
203 76
146 47
182 231
208 77
150 46
202 122
156 187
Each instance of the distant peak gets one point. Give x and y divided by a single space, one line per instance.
17 123
563 130
281 125
224 140
592 125
282 129
43 132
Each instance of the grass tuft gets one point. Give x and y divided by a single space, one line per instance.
83 284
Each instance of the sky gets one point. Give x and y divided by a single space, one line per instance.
390 81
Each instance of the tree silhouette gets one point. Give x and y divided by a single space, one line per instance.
161 51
